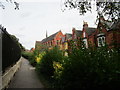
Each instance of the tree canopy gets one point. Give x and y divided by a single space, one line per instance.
9 1
17 41
108 8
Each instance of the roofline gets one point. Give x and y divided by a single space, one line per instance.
57 33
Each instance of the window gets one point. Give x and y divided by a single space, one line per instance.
84 34
85 43
101 41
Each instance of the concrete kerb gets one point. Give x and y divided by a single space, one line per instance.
7 76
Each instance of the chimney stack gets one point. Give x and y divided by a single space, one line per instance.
85 25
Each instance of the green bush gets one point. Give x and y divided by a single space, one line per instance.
30 57
91 68
27 55
46 63
83 68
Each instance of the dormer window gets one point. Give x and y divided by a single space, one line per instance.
101 40
85 42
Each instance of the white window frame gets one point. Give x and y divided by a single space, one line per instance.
84 35
85 42
102 42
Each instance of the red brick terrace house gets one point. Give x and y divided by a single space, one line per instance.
108 33
53 40
65 40
76 35
88 35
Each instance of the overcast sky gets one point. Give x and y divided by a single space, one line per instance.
30 23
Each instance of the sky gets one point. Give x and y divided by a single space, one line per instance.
35 17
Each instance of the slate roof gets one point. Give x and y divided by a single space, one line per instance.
90 30
51 37
78 33
38 41
68 36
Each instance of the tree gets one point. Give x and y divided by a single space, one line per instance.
17 42
109 8
10 1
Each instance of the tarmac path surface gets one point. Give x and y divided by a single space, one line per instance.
25 77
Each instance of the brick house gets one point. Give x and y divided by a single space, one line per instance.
105 33
65 42
53 40
88 35
76 35
108 33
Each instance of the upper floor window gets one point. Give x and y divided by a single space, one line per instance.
85 43
84 34
101 41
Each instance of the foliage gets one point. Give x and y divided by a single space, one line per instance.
29 56
9 1
84 68
91 69
16 40
46 64
38 55
106 7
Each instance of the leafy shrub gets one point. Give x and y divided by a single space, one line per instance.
91 68
27 55
83 68
46 66
30 57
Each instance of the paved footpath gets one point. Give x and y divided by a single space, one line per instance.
25 77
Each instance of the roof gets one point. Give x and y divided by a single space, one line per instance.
90 30
50 37
68 36
38 42
78 33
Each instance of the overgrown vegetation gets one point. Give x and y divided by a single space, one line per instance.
30 57
84 68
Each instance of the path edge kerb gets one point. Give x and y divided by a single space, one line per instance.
7 76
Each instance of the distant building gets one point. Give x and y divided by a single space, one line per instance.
88 35
108 33
76 34
53 40
32 49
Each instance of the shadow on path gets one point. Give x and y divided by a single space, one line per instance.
25 77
